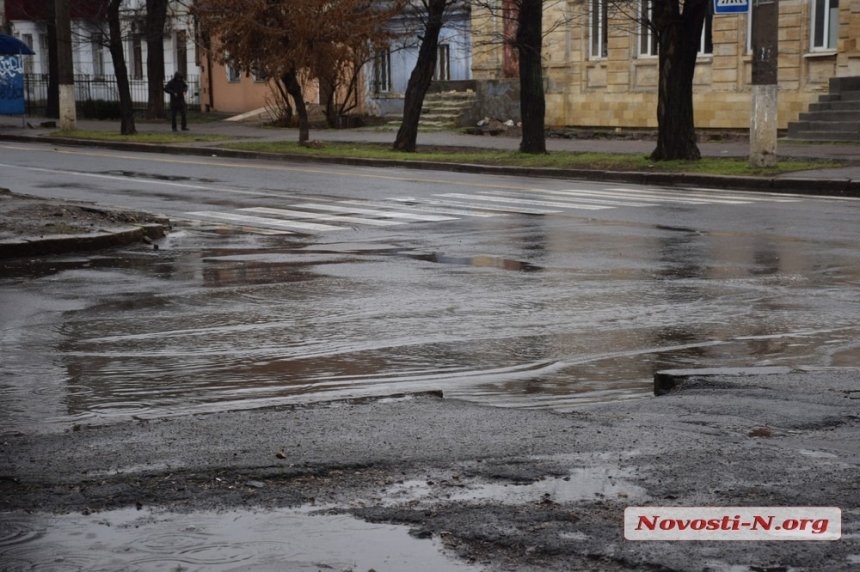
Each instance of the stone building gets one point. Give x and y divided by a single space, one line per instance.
601 69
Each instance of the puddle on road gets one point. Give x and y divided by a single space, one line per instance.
278 540
582 484
212 322
478 261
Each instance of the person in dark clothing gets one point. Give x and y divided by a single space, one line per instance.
177 87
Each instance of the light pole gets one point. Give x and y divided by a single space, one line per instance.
765 62
65 69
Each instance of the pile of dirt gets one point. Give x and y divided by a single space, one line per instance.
26 216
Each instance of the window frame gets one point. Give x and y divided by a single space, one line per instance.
232 73
97 42
824 10
646 44
598 26
443 63
382 71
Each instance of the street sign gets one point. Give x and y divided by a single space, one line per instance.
731 6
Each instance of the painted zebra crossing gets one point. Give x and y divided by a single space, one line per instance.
319 216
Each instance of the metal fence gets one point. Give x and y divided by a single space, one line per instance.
90 89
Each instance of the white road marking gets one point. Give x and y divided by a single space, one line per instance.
267 222
289 213
373 212
505 200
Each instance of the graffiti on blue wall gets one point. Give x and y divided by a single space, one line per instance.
11 85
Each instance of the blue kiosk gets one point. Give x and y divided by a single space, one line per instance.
12 51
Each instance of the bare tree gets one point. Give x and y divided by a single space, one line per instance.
290 41
521 36
156 17
678 28
529 40
126 108
422 75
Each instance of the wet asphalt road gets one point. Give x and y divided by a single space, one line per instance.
296 282
497 300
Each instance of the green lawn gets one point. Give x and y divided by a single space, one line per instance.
141 137
559 160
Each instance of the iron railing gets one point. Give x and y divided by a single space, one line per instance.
90 89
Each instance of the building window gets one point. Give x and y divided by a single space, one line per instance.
647 38
382 71
825 24
599 27
749 30
443 64
706 44
28 62
136 57
648 45
97 44
182 52
232 73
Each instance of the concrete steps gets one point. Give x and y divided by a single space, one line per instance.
835 117
443 110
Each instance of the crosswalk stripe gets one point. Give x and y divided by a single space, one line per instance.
615 202
452 206
660 197
374 212
527 202
498 209
765 197
268 222
425 207
320 216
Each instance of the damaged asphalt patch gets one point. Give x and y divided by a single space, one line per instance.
507 489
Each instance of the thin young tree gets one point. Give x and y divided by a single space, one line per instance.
521 36
422 74
115 40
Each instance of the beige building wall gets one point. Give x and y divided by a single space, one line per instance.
620 89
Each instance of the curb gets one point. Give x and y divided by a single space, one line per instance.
62 244
672 380
788 185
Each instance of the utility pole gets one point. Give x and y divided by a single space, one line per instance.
65 69
765 62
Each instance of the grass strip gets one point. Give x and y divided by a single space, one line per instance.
730 166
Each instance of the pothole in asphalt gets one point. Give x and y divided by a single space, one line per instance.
478 261
581 484
214 541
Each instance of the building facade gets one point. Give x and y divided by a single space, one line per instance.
601 67
92 63
388 75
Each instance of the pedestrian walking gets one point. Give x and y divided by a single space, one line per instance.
177 88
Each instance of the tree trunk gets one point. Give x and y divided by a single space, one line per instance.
328 87
126 109
156 14
52 106
419 80
294 88
679 35
532 100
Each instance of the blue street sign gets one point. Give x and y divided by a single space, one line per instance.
731 6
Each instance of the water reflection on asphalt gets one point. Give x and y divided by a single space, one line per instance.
284 539
211 321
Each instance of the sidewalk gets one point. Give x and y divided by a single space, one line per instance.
847 178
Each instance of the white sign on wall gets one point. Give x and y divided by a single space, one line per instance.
731 6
